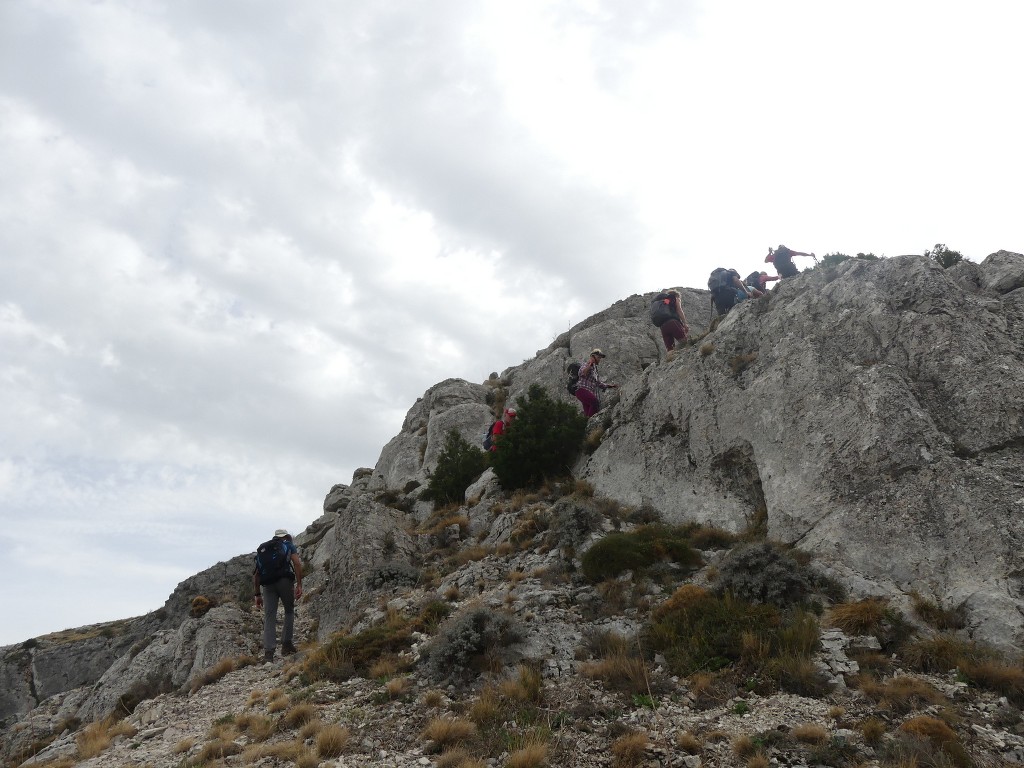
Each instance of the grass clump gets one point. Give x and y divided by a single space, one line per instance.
900 694
637 551
445 732
629 749
698 631
332 741
935 615
939 735
458 465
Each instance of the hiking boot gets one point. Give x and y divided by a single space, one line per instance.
288 649
268 656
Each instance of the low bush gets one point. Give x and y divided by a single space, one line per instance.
759 572
543 441
458 465
936 616
394 574
464 643
637 551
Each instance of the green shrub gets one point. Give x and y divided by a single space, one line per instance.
698 631
543 441
458 465
638 550
759 573
463 643
943 256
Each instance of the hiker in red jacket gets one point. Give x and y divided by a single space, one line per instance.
500 426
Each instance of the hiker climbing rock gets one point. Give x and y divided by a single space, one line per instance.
667 313
589 383
782 258
725 286
498 428
277 568
760 280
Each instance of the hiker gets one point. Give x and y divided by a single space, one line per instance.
498 428
759 280
782 258
277 567
667 313
589 383
726 286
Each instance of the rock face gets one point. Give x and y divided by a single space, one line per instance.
871 414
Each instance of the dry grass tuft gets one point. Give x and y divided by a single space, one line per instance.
486 708
332 741
860 617
743 746
213 674
279 701
939 734
758 761
397 687
873 730
448 731
433 699
183 746
256 727
299 715
531 755
309 731
689 743
526 686
458 758
901 694
810 733
629 749
218 749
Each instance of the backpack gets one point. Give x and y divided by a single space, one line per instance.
272 561
573 369
753 280
661 309
720 278
783 254
488 442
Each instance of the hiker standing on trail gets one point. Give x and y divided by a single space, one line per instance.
589 383
782 258
277 569
759 281
667 313
499 428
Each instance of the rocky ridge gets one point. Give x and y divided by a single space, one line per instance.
874 420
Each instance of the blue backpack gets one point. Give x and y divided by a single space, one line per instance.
272 561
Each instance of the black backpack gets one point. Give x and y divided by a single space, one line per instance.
721 278
783 254
754 280
272 561
661 309
573 369
488 442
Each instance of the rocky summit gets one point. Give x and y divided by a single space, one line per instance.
795 540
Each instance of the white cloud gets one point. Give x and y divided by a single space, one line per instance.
229 231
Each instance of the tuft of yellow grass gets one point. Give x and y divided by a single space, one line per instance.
526 686
278 703
93 740
213 674
183 746
433 699
873 730
859 617
397 687
332 741
218 749
629 749
299 715
689 742
448 731
531 755
810 733
758 761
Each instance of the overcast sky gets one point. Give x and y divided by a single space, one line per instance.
239 239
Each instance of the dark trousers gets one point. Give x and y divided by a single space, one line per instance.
283 589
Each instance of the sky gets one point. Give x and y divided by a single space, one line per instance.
239 239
